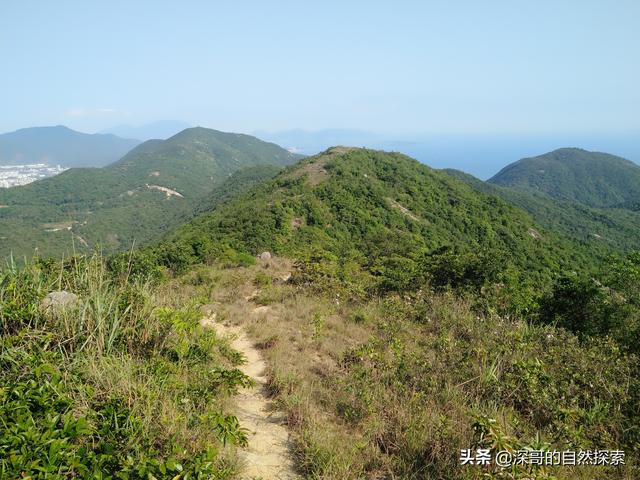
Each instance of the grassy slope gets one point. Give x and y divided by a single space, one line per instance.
571 174
387 387
113 206
396 386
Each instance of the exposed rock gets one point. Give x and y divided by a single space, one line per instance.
314 169
252 295
284 278
534 233
265 256
296 223
167 191
56 303
405 211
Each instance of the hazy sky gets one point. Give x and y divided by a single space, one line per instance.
395 66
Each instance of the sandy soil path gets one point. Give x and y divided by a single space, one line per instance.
268 456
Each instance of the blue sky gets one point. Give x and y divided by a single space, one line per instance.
399 67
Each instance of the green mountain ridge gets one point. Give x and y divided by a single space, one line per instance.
368 209
159 184
184 161
598 229
594 179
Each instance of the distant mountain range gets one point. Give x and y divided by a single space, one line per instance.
312 142
591 198
478 155
63 146
156 186
162 129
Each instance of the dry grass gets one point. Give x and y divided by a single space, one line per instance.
353 378
303 338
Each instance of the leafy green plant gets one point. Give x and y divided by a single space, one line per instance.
113 387
228 429
229 380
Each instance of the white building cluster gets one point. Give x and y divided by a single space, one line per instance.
13 175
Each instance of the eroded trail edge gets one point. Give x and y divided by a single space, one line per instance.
268 455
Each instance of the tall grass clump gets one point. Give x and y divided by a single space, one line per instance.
112 313
120 382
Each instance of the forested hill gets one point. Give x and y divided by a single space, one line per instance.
192 160
591 178
601 230
155 187
376 212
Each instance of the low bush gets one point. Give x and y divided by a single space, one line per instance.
113 386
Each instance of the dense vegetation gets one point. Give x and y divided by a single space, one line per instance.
372 223
124 383
590 178
601 230
380 222
111 208
63 146
608 305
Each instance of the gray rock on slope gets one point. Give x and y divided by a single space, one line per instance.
264 256
57 302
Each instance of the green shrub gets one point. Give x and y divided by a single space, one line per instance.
114 387
608 306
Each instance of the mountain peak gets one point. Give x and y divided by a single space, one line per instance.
593 178
377 203
153 187
198 131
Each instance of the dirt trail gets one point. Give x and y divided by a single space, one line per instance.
268 456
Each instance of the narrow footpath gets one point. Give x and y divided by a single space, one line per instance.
268 456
